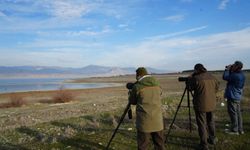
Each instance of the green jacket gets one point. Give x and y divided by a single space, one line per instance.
205 87
146 96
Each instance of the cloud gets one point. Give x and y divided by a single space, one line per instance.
223 4
123 25
2 14
177 33
215 51
64 9
76 33
69 9
176 53
174 18
49 56
66 58
61 14
105 30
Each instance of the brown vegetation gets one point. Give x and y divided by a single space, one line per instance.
15 101
63 96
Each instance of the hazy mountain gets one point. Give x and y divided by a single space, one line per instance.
91 70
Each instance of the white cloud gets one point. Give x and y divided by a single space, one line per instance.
69 9
123 25
171 35
68 30
215 51
223 4
105 30
2 14
66 57
60 14
174 18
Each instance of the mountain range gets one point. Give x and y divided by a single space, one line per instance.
87 71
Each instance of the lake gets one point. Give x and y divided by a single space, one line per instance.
45 84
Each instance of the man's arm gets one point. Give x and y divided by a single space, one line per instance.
226 75
191 83
132 97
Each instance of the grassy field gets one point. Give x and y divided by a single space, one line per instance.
89 121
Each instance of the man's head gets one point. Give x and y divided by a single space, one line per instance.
199 68
237 66
140 72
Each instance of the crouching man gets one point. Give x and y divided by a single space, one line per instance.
145 95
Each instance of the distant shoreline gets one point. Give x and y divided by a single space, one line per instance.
20 85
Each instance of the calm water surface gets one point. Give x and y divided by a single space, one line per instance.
22 85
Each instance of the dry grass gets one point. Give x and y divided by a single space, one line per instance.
15 101
63 96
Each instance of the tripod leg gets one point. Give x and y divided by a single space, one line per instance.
189 110
171 125
122 117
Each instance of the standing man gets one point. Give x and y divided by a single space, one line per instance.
146 95
235 83
205 87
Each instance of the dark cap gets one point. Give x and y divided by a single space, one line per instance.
141 71
238 64
200 68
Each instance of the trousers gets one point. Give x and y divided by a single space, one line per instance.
234 112
143 140
206 126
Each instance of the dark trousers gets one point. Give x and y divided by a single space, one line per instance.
206 126
143 140
234 112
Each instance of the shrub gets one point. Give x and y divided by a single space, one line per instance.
63 96
16 100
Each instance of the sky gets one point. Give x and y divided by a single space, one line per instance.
163 34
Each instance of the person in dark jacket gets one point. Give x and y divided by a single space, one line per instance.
205 87
235 82
146 95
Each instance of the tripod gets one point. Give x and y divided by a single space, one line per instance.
127 110
188 91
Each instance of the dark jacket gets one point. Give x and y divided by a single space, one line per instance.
146 96
205 87
235 84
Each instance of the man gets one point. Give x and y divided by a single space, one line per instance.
205 87
145 95
235 83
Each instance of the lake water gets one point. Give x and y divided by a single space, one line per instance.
44 84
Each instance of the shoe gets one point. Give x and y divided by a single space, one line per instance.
212 141
232 133
241 132
201 147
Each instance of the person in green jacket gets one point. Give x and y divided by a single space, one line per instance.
205 87
146 95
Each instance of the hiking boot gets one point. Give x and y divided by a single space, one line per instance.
232 132
241 132
201 147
